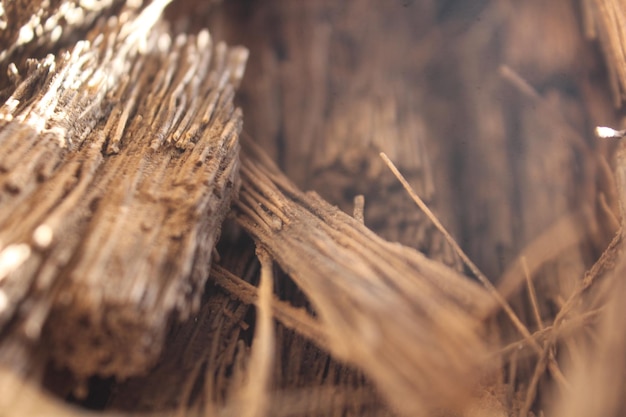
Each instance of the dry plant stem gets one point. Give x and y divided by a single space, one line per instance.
481 277
598 376
610 214
610 194
569 232
520 83
548 359
510 75
604 265
187 389
511 382
609 257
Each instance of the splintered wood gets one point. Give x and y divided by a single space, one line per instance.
120 159
120 169
29 26
373 92
413 325
604 20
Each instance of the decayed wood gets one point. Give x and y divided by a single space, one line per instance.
202 353
411 324
36 28
120 158
206 358
334 83
604 20
292 318
596 361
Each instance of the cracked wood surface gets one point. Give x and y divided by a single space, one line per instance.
120 158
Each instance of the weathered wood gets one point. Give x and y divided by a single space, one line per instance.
120 161
411 324
508 160
202 364
486 106
334 83
35 28
604 20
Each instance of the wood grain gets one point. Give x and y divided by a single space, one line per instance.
120 161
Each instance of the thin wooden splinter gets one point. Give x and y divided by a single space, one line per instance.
255 391
481 277
359 208
532 294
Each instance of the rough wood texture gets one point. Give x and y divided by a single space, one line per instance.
502 96
120 161
422 285
35 28
604 20
332 84
207 358
488 107
378 302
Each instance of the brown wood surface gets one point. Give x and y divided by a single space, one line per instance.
112 195
120 159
